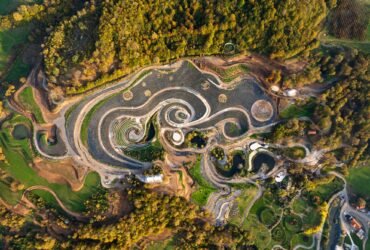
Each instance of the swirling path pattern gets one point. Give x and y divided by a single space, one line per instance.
178 101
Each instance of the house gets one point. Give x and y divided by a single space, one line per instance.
355 224
312 132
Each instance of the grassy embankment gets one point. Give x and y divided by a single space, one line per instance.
12 42
358 181
204 188
19 157
26 98
363 46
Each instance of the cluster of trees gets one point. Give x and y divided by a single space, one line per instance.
349 19
97 205
341 112
121 41
47 12
152 214
325 65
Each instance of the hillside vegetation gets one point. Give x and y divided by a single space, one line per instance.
105 40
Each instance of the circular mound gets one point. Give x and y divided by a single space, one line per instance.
222 98
262 110
128 95
148 93
278 234
21 132
293 223
267 217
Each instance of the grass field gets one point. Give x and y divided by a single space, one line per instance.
358 181
294 111
27 99
19 156
200 196
9 40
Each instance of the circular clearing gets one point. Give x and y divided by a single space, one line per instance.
128 95
293 223
147 93
267 217
21 132
278 234
262 110
222 98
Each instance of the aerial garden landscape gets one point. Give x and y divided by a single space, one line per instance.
187 124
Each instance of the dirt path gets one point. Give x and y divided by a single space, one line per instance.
60 203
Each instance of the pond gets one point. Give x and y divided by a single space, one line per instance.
21 132
262 159
238 162
198 141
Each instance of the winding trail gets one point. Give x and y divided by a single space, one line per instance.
60 203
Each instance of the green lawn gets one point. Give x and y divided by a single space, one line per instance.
19 156
27 99
294 111
9 39
326 191
200 196
358 181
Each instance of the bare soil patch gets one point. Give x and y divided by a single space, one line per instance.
62 172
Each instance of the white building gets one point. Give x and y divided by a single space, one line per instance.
280 176
151 179
255 145
290 92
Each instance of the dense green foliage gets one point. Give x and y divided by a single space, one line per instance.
152 215
349 20
105 40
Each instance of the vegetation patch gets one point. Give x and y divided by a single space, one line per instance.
267 217
27 100
358 181
295 152
204 188
21 132
293 223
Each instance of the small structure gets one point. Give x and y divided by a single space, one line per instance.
312 132
275 88
151 179
361 234
290 92
280 176
177 137
355 224
255 145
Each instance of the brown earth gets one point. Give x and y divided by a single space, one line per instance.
61 172
173 184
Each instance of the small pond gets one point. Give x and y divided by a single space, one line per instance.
262 159
21 132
